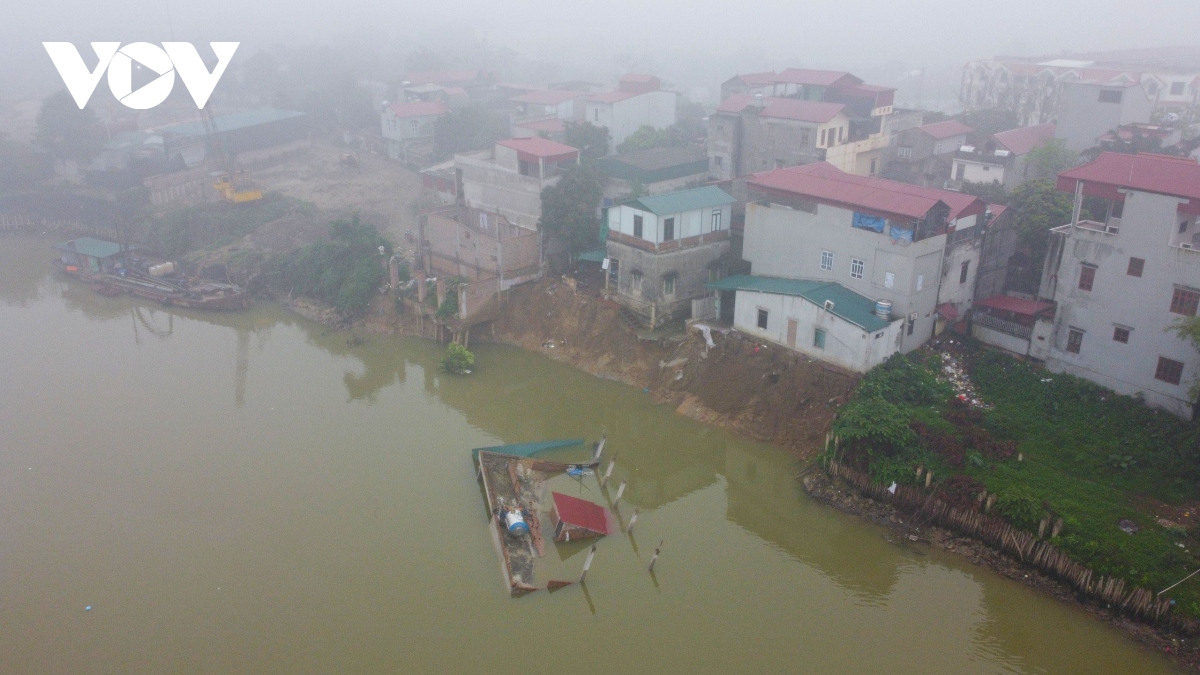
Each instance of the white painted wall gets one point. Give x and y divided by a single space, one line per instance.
977 172
687 224
783 242
654 108
846 344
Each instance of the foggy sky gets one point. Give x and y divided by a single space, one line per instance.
696 43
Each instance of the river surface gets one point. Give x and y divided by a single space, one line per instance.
251 493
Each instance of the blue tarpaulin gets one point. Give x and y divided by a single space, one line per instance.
900 233
864 222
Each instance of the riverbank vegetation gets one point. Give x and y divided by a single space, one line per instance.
1124 479
213 224
458 360
345 271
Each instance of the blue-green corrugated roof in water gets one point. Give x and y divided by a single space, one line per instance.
527 449
594 255
95 248
857 309
232 121
684 200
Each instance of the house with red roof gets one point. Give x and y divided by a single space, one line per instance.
923 154
913 249
799 116
550 104
408 129
639 101
1120 278
509 178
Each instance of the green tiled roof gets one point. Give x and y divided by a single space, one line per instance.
857 309
94 248
684 200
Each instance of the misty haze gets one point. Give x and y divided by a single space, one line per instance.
661 337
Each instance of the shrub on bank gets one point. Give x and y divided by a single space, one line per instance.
458 360
345 271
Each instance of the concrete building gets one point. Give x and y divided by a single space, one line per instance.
822 319
1089 109
1018 143
1031 87
654 171
550 104
479 85
639 101
1119 284
750 133
914 247
923 155
460 241
509 178
663 249
765 121
408 129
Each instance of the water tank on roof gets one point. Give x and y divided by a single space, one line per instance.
883 308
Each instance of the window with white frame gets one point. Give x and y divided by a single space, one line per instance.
856 268
827 260
903 152
414 126
716 219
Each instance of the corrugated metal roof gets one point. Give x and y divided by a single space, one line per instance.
1022 140
536 147
940 130
232 121
684 200
95 248
1015 305
816 112
580 513
824 182
655 164
1162 174
819 78
847 305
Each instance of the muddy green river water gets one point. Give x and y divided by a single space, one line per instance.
249 493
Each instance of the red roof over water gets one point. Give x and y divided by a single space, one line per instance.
581 513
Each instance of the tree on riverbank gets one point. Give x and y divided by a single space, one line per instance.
345 271
570 208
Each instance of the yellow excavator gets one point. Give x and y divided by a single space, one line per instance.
223 180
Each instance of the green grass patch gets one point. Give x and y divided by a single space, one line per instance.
1089 456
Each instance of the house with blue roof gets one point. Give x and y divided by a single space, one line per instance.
662 250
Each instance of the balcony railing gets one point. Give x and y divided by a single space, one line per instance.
1004 326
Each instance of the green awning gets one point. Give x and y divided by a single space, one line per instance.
848 305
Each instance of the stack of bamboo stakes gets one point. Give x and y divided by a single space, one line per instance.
1025 547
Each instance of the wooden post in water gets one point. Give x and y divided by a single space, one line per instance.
654 558
608 472
620 491
632 520
587 563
